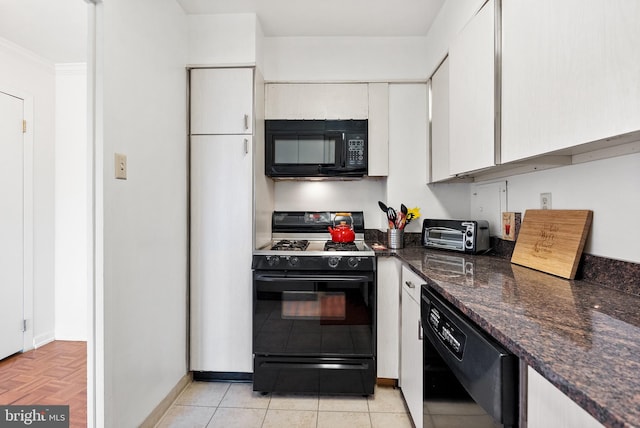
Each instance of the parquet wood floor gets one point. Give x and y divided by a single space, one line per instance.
53 374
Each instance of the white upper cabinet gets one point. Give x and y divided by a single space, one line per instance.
378 134
570 73
317 101
439 114
472 94
221 101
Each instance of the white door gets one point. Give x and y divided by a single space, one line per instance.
221 249
11 225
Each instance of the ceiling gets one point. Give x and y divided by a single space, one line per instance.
53 29
56 29
329 17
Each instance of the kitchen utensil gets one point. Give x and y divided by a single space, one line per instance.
342 230
401 221
392 215
403 209
552 240
383 206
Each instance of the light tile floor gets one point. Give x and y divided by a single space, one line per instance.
229 405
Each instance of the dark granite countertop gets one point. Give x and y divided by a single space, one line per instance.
584 338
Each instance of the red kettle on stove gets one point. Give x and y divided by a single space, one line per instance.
342 230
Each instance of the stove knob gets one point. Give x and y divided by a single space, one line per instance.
293 261
273 260
333 261
353 262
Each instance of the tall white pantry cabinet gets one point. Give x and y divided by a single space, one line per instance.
221 179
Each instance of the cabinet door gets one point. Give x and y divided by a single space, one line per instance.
472 94
547 406
221 101
316 101
388 322
221 249
570 73
378 129
411 346
440 123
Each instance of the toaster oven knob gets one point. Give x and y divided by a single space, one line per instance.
273 260
469 233
293 261
353 262
333 261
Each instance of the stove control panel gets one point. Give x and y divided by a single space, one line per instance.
331 263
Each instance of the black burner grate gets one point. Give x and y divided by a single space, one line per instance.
288 245
340 246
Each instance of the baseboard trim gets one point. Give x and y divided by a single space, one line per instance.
42 339
157 413
383 381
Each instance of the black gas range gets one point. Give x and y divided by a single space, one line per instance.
314 308
301 241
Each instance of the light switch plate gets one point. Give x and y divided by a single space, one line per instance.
120 164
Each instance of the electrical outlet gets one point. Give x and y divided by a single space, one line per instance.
545 201
120 164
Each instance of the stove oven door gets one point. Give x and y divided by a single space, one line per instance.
314 332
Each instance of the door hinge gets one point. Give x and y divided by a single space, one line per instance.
24 326
24 126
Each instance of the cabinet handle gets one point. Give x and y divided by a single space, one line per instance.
246 146
246 121
410 284
420 330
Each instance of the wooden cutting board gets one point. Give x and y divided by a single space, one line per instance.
552 240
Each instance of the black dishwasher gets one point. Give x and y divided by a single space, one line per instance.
461 363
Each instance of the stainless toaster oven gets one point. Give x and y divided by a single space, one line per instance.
468 236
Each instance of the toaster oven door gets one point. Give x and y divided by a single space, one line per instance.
444 237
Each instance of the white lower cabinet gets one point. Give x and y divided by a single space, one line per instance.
221 250
388 323
411 345
547 406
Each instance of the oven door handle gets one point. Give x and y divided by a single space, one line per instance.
297 278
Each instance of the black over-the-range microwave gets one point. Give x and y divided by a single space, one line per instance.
316 148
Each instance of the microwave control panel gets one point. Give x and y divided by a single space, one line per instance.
356 152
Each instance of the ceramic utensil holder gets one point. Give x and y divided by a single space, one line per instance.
395 238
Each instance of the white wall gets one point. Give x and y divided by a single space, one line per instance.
225 39
609 187
358 59
71 203
141 222
28 74
356 195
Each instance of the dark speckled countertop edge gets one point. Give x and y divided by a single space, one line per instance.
569 383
